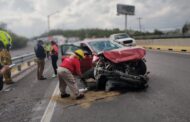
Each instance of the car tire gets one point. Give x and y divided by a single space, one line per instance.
140 68
143 68
101 83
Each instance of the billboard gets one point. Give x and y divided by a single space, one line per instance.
125 9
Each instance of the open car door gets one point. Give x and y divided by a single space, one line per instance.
86 63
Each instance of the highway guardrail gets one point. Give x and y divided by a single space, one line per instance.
20 60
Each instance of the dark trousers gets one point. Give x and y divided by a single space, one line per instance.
54 59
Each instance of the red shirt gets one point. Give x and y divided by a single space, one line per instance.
72 64
55 49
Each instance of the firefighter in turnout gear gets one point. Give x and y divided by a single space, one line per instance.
5 57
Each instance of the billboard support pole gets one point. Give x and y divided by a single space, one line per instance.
125 10
126 23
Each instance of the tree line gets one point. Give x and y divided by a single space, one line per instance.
83 33
99 33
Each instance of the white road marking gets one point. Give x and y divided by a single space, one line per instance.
47 116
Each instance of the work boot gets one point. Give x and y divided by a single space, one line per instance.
65 95
80 96
9 82
42 78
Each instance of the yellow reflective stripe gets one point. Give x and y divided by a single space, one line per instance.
3 37
9 38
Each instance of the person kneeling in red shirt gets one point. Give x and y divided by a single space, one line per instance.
69 67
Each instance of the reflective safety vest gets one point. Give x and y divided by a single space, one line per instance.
5 38
47 47
5 57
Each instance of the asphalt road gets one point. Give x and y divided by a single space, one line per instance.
166 100
27 99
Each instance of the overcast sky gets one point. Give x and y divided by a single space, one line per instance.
29 17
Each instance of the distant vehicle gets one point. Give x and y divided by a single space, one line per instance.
123 38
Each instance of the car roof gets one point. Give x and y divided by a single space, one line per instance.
97 39
119 33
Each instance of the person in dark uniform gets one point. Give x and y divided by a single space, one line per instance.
41 55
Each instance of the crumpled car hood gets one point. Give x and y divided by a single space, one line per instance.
125 54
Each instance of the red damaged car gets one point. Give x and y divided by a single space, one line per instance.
111 63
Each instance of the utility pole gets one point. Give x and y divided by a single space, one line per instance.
48 23
126 23
48 19
139 18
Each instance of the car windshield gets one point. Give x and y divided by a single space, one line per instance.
121 36
99 46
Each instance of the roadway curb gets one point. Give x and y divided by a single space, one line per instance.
168 48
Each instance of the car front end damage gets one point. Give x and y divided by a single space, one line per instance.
129 68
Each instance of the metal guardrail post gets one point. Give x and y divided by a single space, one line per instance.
18 61
19 68
28 63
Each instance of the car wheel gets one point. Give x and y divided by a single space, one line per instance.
101 83
140 68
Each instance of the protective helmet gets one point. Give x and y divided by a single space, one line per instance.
5 38
80 53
